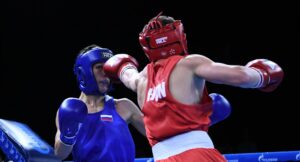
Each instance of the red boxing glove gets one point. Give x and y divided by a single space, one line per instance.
115 65
270 72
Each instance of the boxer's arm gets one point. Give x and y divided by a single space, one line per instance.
136 118
130 78
220 73
61 150
133 80
135 115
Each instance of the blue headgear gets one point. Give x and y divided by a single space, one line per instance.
83 69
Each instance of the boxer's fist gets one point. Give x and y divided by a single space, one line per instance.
71 114
271 74
114 66
221 108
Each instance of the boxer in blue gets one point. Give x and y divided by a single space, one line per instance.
94 127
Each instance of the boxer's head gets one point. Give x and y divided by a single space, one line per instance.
83 68
163 37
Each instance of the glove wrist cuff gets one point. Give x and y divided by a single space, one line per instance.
264 78
126 67
67 140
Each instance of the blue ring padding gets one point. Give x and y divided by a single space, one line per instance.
20 144
9 149
12 153
282 156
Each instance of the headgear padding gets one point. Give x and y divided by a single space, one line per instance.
160 41
83 69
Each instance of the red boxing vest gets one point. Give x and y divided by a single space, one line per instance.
165 117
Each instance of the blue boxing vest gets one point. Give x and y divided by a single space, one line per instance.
104 137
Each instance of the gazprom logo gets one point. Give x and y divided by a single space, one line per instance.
262 158
150 160
161 40
298 156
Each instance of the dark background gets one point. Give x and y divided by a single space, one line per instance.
40 40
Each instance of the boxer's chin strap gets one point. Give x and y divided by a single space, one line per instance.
20 144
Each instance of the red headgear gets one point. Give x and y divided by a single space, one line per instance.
160 41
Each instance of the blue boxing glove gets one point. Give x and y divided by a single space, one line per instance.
71 114
221 108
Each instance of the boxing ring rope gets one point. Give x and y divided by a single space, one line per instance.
20 144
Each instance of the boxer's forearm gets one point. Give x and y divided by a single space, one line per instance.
61 150
130 78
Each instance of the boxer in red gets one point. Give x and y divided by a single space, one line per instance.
171 90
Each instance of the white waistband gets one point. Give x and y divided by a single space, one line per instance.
181 143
